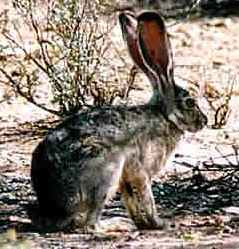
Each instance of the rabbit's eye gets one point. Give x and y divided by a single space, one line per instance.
190 103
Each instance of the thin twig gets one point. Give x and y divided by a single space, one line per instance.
28 98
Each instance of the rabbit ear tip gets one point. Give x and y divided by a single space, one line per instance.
125 16
121 20
150 15
126 13
122 15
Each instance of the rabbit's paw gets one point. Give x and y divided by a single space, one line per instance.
150 224
159 224
111 228
118 225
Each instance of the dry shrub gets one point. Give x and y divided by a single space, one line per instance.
67 58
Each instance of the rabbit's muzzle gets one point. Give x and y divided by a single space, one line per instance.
188 116
195 120
201 121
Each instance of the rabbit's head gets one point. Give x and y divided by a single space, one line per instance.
150 48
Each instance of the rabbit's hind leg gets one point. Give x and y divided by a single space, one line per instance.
138 198
100 184
92 222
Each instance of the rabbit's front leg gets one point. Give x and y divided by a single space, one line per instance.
139 201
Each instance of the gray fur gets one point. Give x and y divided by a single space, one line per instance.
83 161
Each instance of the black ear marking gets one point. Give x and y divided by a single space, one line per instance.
128 23
151 16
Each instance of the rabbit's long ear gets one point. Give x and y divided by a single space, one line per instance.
156 51
128 23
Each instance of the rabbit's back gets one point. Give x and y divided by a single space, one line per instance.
89 134
101 131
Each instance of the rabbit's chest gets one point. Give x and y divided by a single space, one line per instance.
151 150
147 154
154 156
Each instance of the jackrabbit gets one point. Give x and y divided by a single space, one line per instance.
81 162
